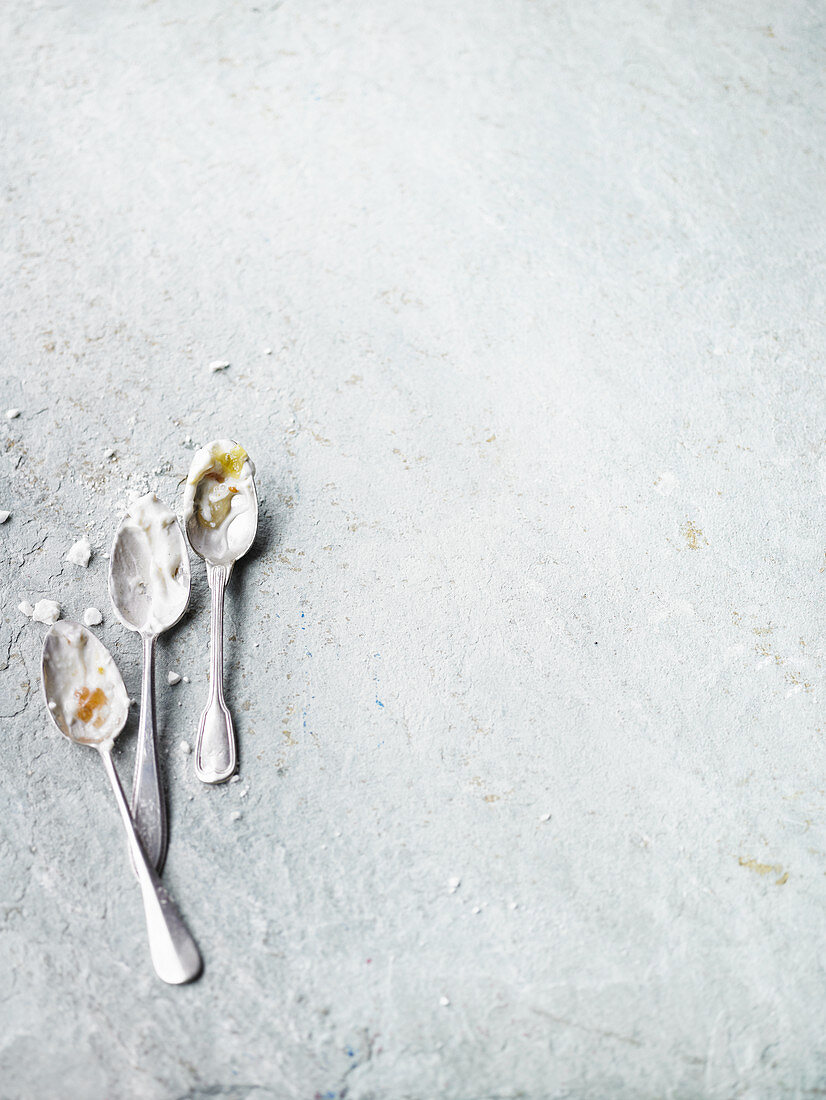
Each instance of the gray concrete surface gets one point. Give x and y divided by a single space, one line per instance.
541 453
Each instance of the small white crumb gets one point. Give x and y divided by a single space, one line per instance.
444 1001
235 779
513 905
92 617
219 364
185 748
246 791
257 644
477 909
133 702
52 705
545 817
110 453
173 677
12 414
453 885
26 608
80 552
46 611
235 815
186 679
268 351
4 516
337 834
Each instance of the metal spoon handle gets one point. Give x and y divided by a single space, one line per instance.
174 953
215 752
148 803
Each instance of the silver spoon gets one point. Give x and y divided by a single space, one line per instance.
149 589
87 701
221 518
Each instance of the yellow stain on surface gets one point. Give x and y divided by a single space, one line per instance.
766 869
694 537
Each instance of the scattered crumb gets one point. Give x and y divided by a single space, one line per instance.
453 885
218 364
173 677
185 748
4 516
444 1001
235 815
235 779
513 905
110 453
92 617
545 817
80 552
257 644
477 909
12 414
46 611
186 679
246 791
26 608
268 351
52 705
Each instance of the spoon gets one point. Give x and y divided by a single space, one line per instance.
149 589
221 518
87 701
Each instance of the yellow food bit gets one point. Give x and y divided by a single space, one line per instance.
231 462
89 703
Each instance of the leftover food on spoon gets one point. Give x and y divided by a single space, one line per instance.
148 577
84 688
220 504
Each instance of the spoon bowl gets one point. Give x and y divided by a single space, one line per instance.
221 503
82 688
149 576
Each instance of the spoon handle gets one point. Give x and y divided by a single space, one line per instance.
174 953
148 804
215 753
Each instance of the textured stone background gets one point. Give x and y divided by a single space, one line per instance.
542 453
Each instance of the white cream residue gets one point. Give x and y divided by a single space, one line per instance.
46 612
86 695
149 570
220 505
80 552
